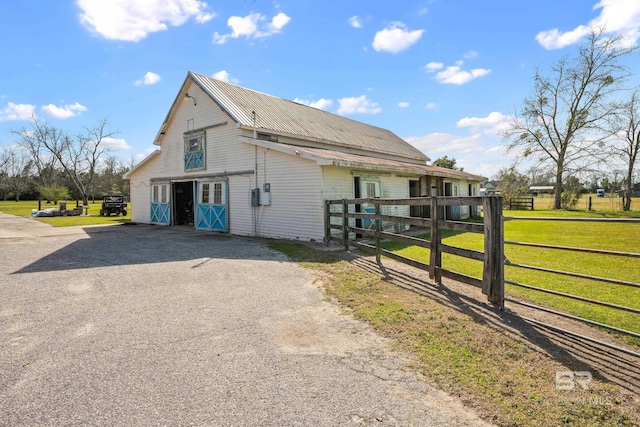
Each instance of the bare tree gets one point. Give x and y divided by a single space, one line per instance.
78 156
40 141
561 121
17 170
628 123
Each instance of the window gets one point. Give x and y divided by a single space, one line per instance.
204 198
155 194
217 193
193 144
194 150
163 193
370 189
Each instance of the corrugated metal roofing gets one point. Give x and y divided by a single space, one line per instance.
342 159
303 121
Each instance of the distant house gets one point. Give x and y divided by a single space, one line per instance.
234 160
536 190
490 188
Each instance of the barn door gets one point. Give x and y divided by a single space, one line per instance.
211 212
161 203
370 190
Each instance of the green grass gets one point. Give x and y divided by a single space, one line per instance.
608 236
503 378
609 203
24 207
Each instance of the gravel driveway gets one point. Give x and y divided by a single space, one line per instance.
142 325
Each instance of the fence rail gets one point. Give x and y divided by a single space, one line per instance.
348 223
351 220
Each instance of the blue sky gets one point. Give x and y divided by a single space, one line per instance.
442 74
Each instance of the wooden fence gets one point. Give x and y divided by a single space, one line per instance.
346 222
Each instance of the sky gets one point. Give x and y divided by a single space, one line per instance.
445 75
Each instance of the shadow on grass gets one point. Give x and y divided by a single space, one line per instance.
574 353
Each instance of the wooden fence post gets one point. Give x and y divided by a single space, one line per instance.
345 225
378 231
435 261
493 272
327 222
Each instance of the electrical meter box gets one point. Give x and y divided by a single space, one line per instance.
255 197
265 198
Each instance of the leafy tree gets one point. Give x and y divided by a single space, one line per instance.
54 193
511 183
446 162
561 122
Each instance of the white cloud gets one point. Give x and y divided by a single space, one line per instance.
439 143
454 74
470 55
134 20
355 22
493 124
148 79
431 106
321 104
224 76
433 66
616 16
395 38
115 144
553 39
403 104
64 112
13 112
277 23
252 26
359 105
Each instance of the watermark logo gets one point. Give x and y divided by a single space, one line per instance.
567 380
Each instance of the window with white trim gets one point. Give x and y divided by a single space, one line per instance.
218 193
204 193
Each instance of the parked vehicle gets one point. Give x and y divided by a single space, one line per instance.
600 192
113 203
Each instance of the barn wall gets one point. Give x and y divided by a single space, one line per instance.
296 209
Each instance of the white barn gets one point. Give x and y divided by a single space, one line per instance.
234 160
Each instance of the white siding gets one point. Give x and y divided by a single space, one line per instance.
296 210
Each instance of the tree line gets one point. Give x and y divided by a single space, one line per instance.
50 163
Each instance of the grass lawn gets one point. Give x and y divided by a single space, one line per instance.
501 377
609 203
610 236
24 207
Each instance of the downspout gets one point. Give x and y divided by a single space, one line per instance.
255 173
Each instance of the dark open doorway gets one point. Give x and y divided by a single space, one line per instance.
183 198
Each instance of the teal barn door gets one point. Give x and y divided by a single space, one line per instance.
211 212
161 203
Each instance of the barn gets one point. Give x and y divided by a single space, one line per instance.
234 160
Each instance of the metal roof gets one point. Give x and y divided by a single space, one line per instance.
298 120
342 159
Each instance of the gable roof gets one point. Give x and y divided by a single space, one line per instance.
302 121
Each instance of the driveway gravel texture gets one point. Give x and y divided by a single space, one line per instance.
137 325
